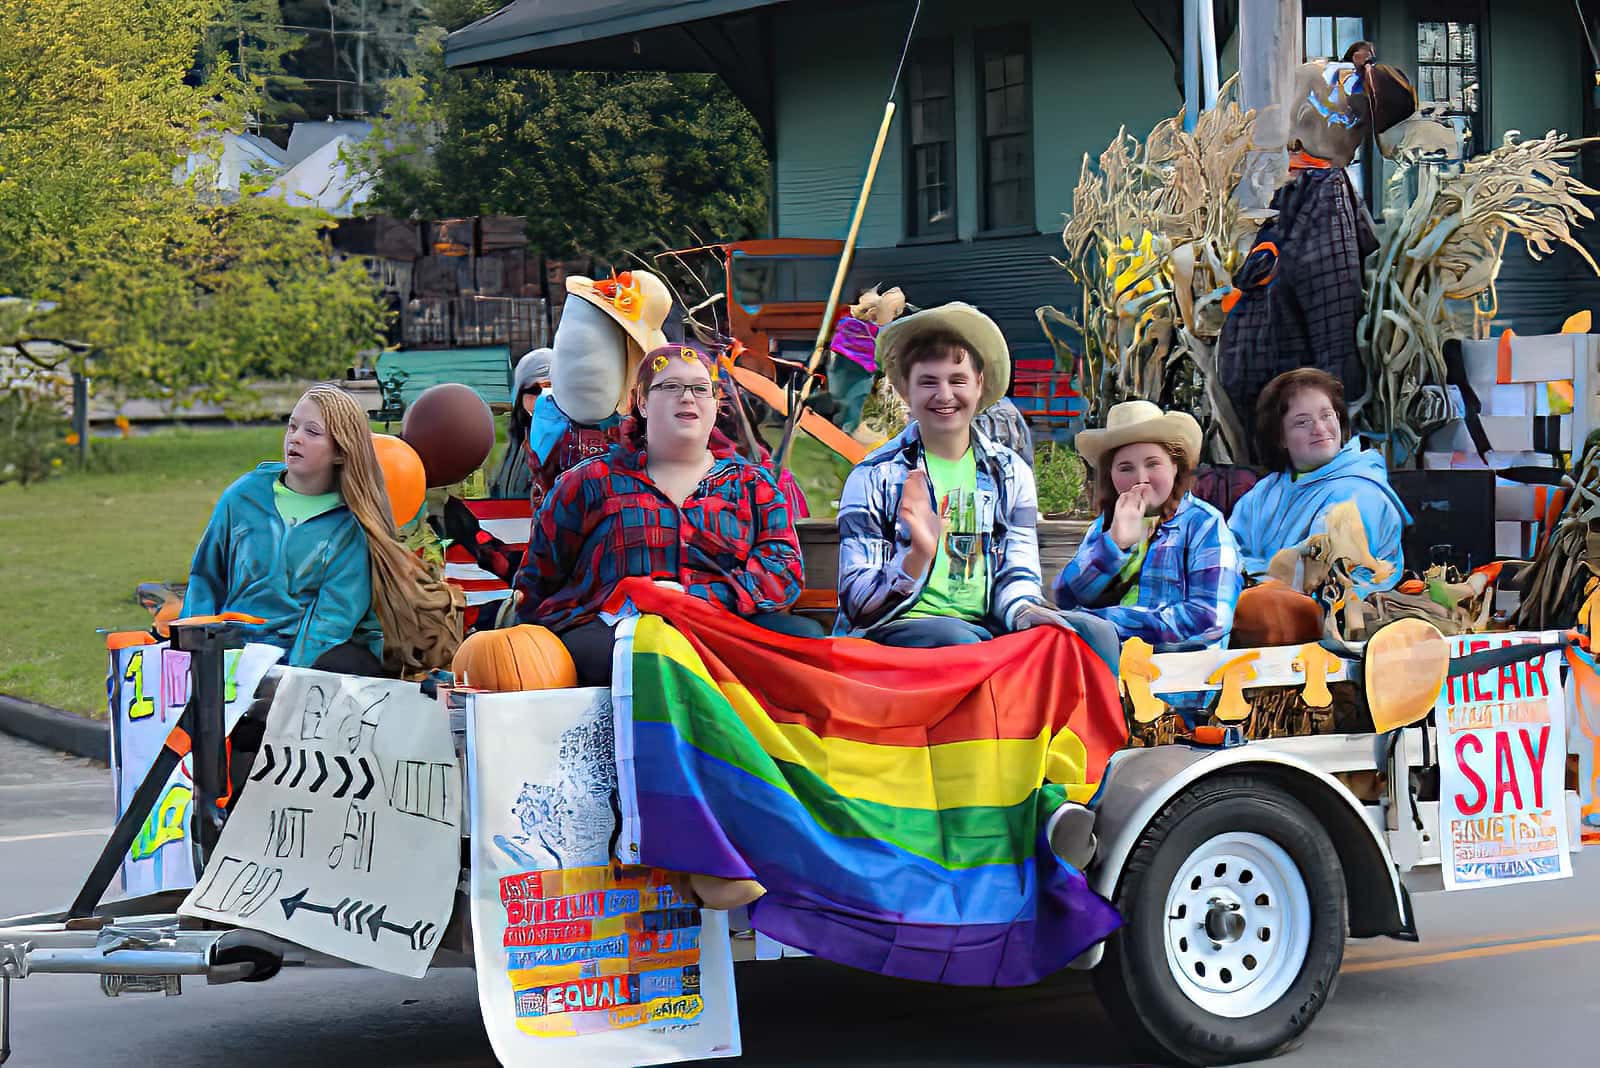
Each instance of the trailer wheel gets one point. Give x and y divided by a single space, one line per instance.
1236 917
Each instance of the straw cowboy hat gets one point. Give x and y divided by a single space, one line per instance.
637 300
1139 420
977 332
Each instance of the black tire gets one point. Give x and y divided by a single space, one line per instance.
1135 981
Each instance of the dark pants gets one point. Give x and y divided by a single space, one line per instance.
352 658
590 643
931 632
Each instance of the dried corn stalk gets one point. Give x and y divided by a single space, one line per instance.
1448 246
1152 241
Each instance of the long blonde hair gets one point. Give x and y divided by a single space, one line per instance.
419 613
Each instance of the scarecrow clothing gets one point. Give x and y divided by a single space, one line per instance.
1002 422
733 542
309 580
1283 510
557 444
851 368
874 588
1188 582
1300 292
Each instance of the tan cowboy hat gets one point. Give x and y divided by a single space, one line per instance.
976 330
637 300
1139 420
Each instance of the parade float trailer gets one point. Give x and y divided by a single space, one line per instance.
364 822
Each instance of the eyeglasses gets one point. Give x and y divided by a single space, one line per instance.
675 390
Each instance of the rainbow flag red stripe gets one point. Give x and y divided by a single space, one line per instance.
893 803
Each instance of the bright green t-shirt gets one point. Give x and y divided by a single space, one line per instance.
295 508
958 584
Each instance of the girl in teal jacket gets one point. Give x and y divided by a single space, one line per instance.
309 546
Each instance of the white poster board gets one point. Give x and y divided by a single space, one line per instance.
580 960
1502 765
149 687
347 837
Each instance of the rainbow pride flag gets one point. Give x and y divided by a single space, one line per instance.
892 802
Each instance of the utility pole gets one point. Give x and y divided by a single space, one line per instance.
1271 43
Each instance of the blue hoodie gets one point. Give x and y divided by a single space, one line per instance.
1280 512
310 582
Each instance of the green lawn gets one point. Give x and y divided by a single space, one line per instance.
77 545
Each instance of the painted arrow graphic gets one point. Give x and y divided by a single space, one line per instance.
361 795
263 772
301 773
419 934
288 762
344 766
360 917
322 772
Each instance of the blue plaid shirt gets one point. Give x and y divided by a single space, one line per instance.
1188 584
874 588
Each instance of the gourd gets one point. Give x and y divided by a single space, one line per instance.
524 657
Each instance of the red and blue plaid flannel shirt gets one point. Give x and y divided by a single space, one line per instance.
733 542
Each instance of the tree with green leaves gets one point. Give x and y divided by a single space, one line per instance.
599 163
101 106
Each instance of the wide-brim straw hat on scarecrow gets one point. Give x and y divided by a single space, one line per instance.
975 330
1140 421
637 300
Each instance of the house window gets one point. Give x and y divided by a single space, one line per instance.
1449 78
1330 37
1006 130
931 142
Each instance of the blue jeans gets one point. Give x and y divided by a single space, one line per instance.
931 632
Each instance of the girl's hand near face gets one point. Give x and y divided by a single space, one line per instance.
1127 518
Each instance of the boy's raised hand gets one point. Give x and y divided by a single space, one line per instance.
924 527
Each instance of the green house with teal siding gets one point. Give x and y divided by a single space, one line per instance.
1001 99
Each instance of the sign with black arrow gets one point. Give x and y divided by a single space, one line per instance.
346 835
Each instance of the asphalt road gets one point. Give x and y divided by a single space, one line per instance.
1503 977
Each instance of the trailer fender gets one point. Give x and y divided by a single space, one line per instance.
1140 783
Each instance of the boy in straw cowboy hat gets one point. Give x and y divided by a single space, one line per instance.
937 540
1158 563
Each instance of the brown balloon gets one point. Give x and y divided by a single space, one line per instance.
452 430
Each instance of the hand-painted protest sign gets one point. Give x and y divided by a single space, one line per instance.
347 836
149 686
580 959
1502 759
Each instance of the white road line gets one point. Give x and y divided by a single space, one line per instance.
100 831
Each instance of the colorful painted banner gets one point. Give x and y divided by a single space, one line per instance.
346 838
1502 760
149 685
580 959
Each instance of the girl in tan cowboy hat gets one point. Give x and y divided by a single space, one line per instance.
1158 563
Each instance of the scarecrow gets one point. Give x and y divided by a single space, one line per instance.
854 364
1298 295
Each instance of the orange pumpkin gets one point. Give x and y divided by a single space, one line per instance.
524 657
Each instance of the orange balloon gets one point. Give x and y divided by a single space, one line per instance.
403 477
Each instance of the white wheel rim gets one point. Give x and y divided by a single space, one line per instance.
1259 930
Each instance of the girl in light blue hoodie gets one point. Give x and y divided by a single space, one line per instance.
1303 437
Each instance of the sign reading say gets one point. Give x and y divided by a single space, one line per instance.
1502 758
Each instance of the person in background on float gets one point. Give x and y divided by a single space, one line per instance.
514 477
1003 423
660 505
310 546
937 527
1303 436
1157 563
